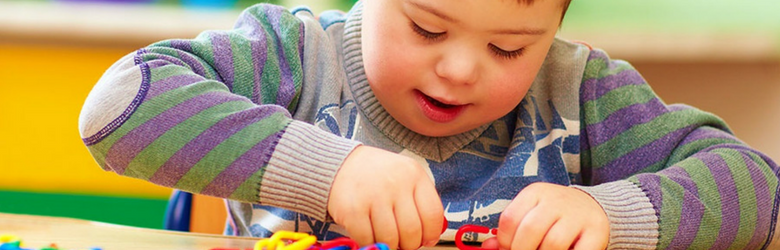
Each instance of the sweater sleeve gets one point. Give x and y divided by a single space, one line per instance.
212 115
669 176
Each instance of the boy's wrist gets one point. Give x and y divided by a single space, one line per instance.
302 168
632 218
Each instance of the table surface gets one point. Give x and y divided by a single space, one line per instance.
40 231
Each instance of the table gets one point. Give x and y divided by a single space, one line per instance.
75 234
40 231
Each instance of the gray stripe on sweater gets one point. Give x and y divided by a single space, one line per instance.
109 98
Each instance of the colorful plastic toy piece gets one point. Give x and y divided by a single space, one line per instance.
340 243
472 229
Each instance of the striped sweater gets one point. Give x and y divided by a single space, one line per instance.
264 114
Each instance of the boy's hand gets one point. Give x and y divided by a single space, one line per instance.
380 196
550 216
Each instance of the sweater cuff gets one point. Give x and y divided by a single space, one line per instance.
301 170
633 223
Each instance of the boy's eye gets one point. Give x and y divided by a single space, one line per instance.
506 54
424 33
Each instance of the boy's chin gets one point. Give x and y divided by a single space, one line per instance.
440 131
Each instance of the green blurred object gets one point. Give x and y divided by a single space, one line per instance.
674 16
138 212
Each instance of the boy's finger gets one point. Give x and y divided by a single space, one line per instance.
560 236
409 225
532 229
359 229
511 218
490 243
589 239
384 225
430 210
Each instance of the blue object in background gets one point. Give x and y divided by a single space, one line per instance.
224 4
178 211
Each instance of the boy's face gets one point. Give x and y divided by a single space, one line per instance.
443 67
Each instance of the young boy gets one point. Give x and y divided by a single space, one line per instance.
380 123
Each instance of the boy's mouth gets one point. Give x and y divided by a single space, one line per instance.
436 110
438 103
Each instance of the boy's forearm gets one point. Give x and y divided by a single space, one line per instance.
211 115
301 170
706 187
179 129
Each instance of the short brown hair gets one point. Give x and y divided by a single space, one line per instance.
565 6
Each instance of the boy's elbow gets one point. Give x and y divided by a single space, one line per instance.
110 96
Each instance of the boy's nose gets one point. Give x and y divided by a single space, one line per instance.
458 67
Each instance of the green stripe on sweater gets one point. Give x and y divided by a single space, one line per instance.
615 100
770 177
746 194
243 66
161 103
271 75
598 69
249 190
700 174
293 56
224 154
684 151
151 158
671 211
203 49
152 108
154 52
641 135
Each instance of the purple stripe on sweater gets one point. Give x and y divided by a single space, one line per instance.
597 54
184 57
763 200
692 209
592 89
180 44
651 185
189 155
170 83
223 58
623 119
286 90
259 57
704 133
638 159
195 64
258 45
126 148
678 175
159 62
729 199
244 167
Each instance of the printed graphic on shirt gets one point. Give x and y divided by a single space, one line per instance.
329 117
479 188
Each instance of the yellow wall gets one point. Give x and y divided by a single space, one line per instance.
42 88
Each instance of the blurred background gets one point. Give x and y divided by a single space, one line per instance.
720 56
